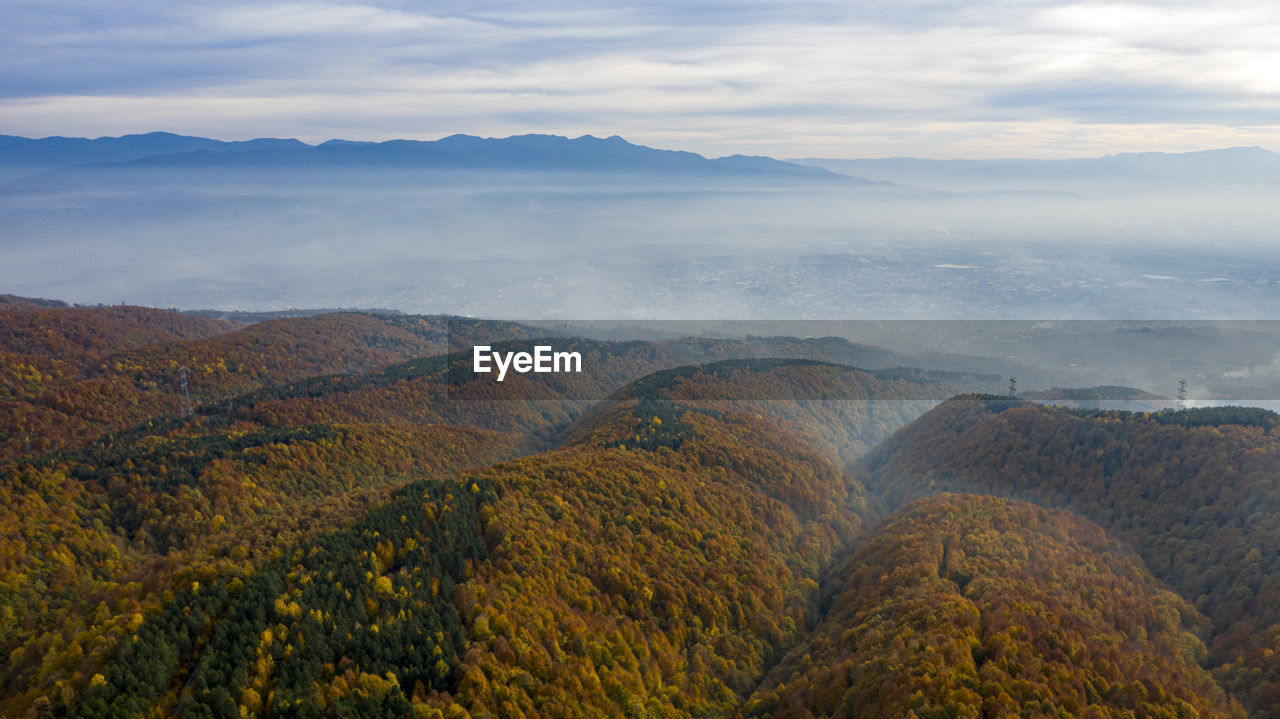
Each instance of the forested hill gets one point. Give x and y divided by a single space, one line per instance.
613 575
1105 397
96 541
669 569
1195 492
843 410
68 375
443 389
79 336
18 302
963 605
350 522
136 505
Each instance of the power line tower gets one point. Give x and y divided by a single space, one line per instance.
1013 386
187 408
1182 394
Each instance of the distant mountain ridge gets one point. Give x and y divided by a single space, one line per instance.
1205 167
456 152
58 151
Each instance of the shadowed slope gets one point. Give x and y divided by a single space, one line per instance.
961 605
1195 492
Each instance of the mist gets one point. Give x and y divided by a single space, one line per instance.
543 245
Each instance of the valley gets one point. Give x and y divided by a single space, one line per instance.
350 522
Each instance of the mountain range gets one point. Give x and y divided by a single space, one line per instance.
544 153
1204 169
1235 166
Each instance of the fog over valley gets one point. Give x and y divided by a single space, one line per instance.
589 228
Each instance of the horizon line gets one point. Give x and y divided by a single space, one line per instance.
313 145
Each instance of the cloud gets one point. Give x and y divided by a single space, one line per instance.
1270 369
774 77
300 19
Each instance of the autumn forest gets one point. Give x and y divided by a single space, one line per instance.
322 516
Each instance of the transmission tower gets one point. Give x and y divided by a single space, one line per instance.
1182 394
187 409
1013 386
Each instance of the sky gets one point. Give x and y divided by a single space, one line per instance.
786 78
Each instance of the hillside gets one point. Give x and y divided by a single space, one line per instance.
669 574
94 541
961 605
665 577
16 302
75 337
71 374
1104 397
843 410
51 385
353 522
1195 492
104 534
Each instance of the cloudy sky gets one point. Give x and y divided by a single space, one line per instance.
787 78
